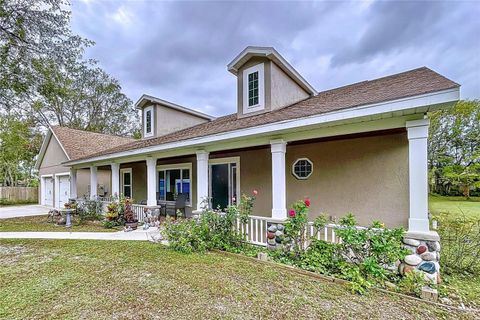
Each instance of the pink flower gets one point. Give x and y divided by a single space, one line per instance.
291 213
307 202
255 192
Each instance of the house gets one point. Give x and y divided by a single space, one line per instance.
360 148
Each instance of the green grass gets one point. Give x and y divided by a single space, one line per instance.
454 206
39 223
66 279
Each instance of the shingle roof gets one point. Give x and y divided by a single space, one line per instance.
80 144
410 83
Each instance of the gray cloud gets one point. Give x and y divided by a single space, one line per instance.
179 50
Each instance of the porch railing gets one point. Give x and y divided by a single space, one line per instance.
254 231
139 211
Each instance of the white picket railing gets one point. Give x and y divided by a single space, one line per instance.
254 231
139 211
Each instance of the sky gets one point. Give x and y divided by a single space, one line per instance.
179 51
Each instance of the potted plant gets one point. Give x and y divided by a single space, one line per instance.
129 216
112 211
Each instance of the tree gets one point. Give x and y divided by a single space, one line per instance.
454 148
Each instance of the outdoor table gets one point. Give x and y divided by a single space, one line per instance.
67 213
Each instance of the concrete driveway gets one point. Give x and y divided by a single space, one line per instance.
23 211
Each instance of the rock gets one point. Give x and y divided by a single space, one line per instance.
401 267
278 239
428 256
272 228
446 301
432 278
271 241
413 260
408 269
270 247
433 245
263 256
428 267
411 242
270 235
280 227
429 294
390 285
411 248
422 249
278 233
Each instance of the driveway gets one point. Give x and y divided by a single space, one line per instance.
22 211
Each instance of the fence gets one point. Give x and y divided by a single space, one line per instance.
19 194
255 231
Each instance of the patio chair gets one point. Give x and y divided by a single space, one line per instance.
180 204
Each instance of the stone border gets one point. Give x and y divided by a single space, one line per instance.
340 281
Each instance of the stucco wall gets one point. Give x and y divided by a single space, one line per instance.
139 180
365 176
285 91
83 181
170 120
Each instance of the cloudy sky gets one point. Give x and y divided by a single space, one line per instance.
179 51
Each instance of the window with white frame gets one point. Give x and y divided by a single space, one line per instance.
148 121
253 88
302 168
174 181
126 182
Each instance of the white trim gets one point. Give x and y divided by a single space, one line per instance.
145 98
260 68
279 186
122 171
227 160
152 122
42 189
293 168
177 166
417 104
185 165
57 188
202 177
273 55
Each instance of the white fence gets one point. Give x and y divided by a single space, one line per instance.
255 231
139 211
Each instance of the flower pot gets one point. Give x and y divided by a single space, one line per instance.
132 225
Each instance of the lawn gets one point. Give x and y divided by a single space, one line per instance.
455 206
39 223
65 279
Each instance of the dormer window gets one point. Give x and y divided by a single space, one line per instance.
148 121
253 89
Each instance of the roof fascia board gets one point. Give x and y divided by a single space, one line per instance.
147 98
395 107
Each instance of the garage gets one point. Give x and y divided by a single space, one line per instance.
48 191
62 190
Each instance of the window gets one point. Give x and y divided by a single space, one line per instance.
224 182
302 168
172 182
148 121
253 89
126 182
253 95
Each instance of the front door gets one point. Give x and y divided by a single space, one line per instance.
223 185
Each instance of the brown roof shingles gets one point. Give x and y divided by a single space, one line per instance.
410 83
80 144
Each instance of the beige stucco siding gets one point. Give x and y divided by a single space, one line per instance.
169 120
285 91
139 179
83 181
365 176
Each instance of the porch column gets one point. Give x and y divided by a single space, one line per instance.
151 176
115 167
93 182
418 175
279 193
202 177
73 183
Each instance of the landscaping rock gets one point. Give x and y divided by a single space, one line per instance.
262 256
278 233
272 228
429 294
271 241
280 227
422 249
433 245
428 256
278 239
411 248
411 242
428 267
408 269
413 260
270 235
432 278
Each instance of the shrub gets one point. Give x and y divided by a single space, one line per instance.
322 257
412 283
90 210
460 244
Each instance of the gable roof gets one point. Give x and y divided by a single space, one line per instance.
78 144
145 98
402 85
273 55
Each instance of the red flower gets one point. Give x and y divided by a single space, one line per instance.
255 192
307 202
291 213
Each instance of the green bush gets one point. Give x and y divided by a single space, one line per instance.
90 210
321 257
185 235
412 283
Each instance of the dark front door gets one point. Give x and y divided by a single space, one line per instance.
219 174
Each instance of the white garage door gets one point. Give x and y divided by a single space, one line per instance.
63 190
48 195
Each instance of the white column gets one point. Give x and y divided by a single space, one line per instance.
202 177
418 175
279 192
115 167
151 176
93 182
73 183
